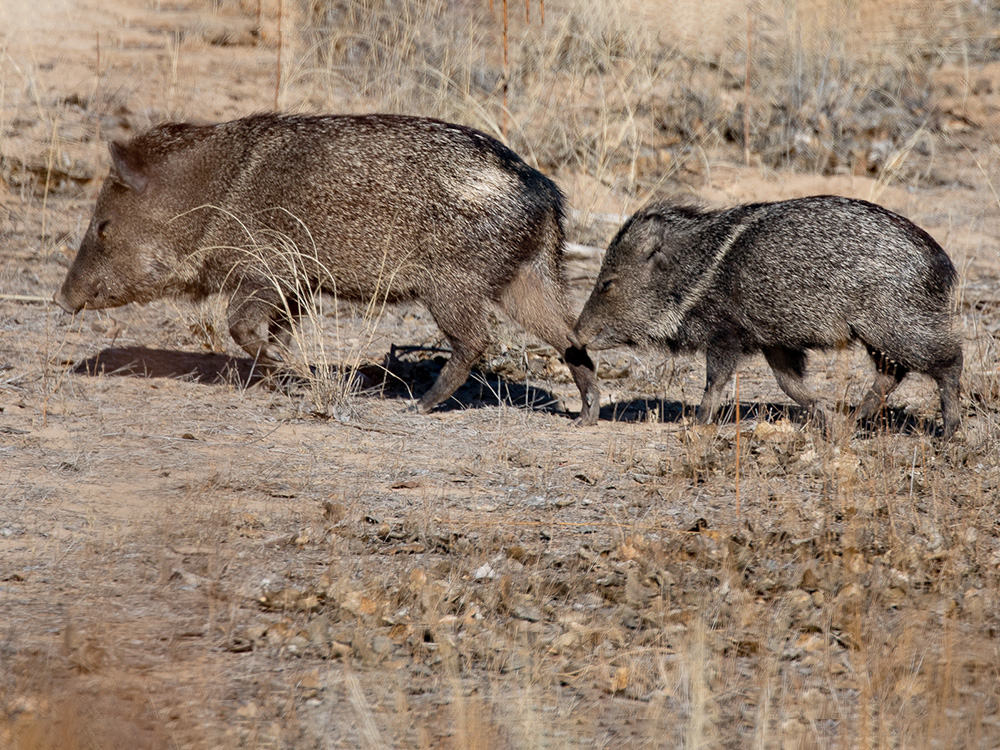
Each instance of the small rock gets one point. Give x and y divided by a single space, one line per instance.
528 612
810 581
485 572
247 711
773 431
382 646
418 579
340 650
310 684
619 682
514 663
516 552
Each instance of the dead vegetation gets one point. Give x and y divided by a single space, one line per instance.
193 559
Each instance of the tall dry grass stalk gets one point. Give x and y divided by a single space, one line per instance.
278 60
505 43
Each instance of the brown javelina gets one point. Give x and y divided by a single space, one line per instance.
781 278
377 207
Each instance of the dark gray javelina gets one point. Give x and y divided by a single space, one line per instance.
377 207
781 278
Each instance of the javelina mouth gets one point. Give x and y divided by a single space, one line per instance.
60 299
589 339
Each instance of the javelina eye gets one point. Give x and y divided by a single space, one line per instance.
607 284
102 229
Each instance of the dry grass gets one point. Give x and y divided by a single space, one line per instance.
188 562
623 91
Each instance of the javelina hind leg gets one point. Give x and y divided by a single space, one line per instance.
581 366
789 368
947 377
538 304
720 364
888 375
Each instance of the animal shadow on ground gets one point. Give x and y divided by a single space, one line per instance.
893 419
406 378
403 378
142 362
392 378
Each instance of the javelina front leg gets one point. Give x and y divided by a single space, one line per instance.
721 360
789 368
259 324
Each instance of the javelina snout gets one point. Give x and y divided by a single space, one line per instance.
271 209
781 278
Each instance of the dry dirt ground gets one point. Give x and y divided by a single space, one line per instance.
190 559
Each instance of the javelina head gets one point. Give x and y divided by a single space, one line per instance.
130 252
645 283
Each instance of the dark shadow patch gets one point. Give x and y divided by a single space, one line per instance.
141 362
893 419
896 419
410 377
394 378
662 410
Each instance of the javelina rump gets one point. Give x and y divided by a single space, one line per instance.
374 207
781 278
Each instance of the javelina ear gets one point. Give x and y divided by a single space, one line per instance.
129 166
657 241
665 249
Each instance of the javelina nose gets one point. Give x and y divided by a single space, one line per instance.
60 299
585 333
64 301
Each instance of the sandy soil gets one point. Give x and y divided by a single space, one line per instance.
191 561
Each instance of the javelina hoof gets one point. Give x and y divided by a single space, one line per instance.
590 412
